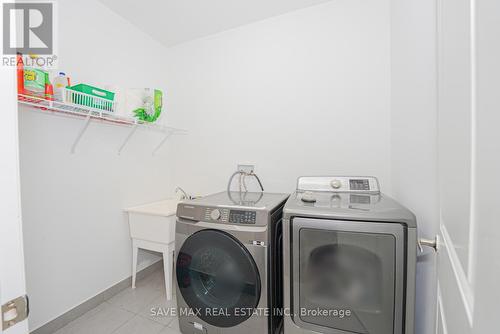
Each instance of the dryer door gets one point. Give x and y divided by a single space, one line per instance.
348 276
218 278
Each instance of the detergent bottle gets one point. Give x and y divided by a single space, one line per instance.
60 82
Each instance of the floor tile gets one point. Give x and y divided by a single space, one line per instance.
174 324
156 280
103 319
135 300
140 325
168 330
131 311
160 310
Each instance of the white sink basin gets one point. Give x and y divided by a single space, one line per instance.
154 221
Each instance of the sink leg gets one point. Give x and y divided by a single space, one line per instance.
135 251
167 269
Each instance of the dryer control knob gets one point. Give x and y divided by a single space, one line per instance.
308 197
336 184
215 214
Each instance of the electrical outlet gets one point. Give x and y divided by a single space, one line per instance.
246 168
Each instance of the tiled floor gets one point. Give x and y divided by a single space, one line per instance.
130 312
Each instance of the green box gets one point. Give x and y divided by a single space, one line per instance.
100 94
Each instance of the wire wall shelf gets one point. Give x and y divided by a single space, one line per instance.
88 114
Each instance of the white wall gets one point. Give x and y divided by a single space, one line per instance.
305 93
414 134
76 237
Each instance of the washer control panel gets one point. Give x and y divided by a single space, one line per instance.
242 217
231 216
216 215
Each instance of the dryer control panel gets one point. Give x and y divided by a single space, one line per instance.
358 184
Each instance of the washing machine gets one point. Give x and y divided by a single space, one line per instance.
228 263
349 259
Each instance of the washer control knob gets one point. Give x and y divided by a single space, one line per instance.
215 214
336 184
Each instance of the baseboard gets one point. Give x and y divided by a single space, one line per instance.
76 312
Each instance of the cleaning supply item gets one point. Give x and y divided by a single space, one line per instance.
35 81
145 104
60 82
49 92
20 74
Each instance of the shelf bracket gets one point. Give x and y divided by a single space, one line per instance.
167 135
80 134
131 133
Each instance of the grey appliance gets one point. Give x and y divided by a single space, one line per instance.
228 263
349 259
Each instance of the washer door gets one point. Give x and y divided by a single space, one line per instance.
218 278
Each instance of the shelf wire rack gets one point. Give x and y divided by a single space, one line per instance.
88 114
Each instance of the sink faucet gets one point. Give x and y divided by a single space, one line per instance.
184 194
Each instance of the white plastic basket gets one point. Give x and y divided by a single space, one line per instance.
88 101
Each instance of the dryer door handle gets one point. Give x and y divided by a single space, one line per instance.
434 244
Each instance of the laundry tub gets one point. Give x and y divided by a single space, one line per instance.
152 227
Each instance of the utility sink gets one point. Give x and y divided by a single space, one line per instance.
153 221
